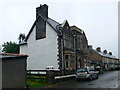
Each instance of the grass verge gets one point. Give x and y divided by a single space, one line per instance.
35 83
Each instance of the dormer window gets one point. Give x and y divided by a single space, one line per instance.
67 27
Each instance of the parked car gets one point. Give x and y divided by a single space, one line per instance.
86 73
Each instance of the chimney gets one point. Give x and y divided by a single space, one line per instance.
43 10
98 49
90 46
105 51
110 53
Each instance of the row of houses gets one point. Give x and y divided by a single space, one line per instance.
64 47
102 58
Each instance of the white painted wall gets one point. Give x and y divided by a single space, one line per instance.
43 52
24 49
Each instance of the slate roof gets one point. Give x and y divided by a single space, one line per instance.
11 55
53 23
105 55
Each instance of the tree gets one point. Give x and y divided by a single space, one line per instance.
21 37
10 47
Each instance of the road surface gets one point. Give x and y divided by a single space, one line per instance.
109 79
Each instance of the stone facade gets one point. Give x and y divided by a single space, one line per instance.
75 47
81 47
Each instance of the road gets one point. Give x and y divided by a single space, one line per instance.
109 79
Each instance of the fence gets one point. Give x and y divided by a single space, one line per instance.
51 76
36 74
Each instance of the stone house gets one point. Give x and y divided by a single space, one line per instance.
106 60
50 43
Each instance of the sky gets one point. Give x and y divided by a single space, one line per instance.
98 19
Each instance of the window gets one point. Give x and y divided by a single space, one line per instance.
72 64
67 65
91 69
68 41
80 62
72 57
82 70
66 57
67 27
78 42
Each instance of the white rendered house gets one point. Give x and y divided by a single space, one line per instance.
42 51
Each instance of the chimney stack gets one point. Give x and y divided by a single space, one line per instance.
98 49
43 10
90 46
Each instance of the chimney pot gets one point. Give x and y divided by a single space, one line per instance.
110 53
98 49
105 51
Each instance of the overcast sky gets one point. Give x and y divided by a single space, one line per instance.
98 18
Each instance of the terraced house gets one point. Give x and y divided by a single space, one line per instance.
50 43
103 58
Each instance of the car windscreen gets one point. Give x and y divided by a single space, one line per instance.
82 70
